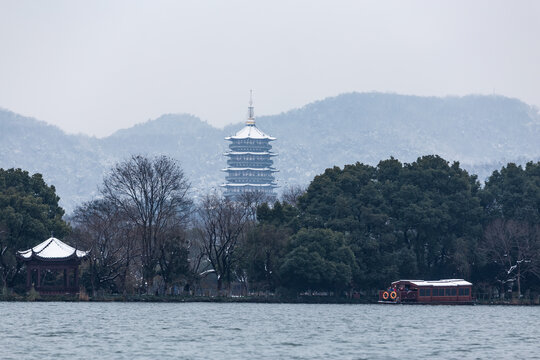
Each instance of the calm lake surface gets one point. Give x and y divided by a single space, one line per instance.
266 331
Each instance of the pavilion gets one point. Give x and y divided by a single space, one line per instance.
52 267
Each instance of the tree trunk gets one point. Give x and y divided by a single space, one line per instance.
219 285
93 280
246 287
124 275
4 284
519 281
148 277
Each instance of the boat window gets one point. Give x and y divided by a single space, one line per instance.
467 291
461 291
454 292
448 292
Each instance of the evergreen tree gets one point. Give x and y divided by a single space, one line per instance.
401 220
29 214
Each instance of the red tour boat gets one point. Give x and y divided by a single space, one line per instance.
447 291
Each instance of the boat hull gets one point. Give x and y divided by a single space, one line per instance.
426 303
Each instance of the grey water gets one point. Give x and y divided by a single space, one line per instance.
265 331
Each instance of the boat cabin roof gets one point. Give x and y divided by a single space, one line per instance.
441 283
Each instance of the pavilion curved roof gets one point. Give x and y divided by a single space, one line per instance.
250 131
52 249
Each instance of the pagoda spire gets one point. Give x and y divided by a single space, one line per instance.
251 112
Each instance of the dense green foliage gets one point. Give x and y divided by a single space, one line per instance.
514 193
319 259
29 214
426 219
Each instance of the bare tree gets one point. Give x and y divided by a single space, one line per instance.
222 224
102 228
153 194
250 200
173 256
5 270
515 246
292 193
199 266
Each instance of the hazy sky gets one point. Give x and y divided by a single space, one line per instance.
97 66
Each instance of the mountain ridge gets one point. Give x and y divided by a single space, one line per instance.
482 132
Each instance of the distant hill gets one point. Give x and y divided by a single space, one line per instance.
482 132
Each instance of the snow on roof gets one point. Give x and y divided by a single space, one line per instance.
255 185
52 249
247 168
444 282
249 153
250 132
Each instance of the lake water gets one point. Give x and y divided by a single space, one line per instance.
266 331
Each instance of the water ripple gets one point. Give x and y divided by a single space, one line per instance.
265 331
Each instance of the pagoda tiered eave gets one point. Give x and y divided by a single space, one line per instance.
250 153
248 168
272 185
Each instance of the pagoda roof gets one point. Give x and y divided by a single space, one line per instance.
248 168
250 131
52 249
250 153
254 185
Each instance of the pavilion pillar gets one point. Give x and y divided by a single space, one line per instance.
28 277
76 278
39 276
65 279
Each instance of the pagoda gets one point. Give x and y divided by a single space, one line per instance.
249 167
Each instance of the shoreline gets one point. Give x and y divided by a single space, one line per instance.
224 299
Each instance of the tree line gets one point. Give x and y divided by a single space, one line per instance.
352 230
